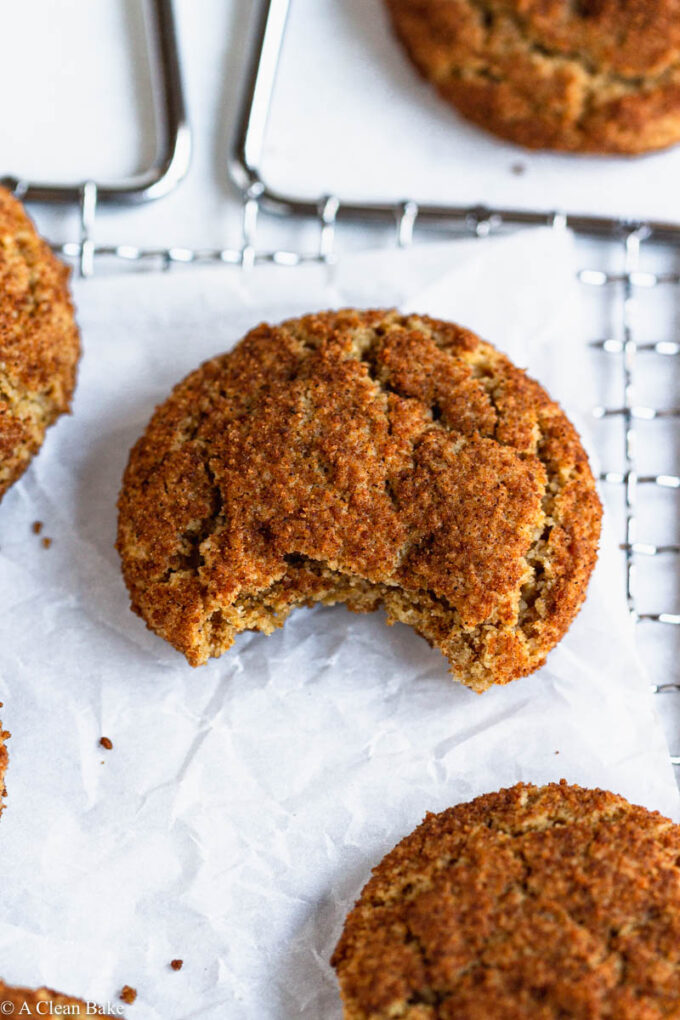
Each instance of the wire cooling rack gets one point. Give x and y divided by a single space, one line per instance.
627 265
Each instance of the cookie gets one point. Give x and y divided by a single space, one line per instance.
4 758
532 902
368 458
39 343
44 1002
589 76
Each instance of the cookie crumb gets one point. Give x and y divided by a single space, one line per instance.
46 543
176 964
128 994
557 752
105 742
37 527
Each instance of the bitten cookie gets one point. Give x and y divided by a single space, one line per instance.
589 76
537 903
368 458
43 1002
39 344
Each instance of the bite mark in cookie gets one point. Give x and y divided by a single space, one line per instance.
368 458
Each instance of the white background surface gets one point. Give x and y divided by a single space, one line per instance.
399 140
242 806
85 111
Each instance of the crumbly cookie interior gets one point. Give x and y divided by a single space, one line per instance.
366 458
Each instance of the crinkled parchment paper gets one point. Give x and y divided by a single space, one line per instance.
243 804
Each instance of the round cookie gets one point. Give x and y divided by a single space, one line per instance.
537 903
589 76
43 1002
39 344
368 458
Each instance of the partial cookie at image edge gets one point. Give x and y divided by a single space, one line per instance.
516 904
592 78
45 1002
39 340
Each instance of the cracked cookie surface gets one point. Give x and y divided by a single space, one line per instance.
44 1002
537 903
368 458
589 76
39 343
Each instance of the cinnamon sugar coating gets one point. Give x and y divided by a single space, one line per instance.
367 458
4 760
527 904
586 76
39 343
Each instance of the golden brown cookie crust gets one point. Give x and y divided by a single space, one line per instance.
39 344
588 76
537 903
368 458
41 1002
4 760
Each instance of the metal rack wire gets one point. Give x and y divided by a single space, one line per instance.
401 224
167 170
620 346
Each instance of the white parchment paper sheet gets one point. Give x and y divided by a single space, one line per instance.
243 804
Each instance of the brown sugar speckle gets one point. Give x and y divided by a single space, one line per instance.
106 742
46 543
176 964
37 527
128 994
522 904
369 458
